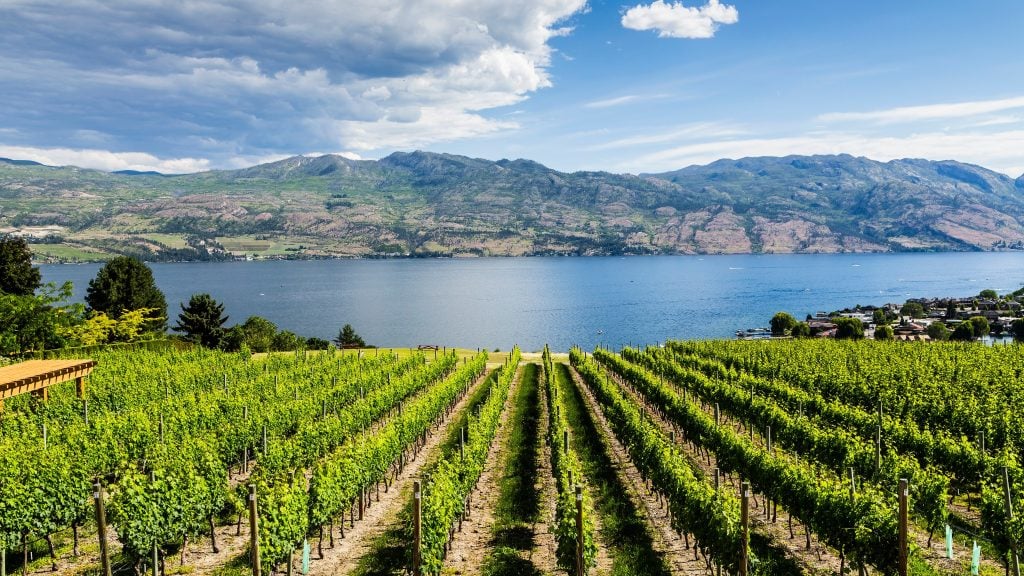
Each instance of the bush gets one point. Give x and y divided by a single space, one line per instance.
883 332
964 332
938 331
849 328
981 326
912 309
782 323
801 330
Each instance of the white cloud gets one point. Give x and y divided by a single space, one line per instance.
433 125
928 112
256 78
995 150
105 159
610 102
700 130
675 20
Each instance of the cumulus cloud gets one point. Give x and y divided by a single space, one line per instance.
674 20
257 78
105 160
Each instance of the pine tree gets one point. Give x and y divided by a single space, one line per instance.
202 321
17 276
125 284
348 338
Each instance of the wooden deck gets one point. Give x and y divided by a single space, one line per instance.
37 375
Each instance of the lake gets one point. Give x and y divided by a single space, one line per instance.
498 302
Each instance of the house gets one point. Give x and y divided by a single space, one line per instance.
912 337
909 329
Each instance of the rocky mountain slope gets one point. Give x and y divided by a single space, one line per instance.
423 203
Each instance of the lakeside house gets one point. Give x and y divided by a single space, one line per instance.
1000 313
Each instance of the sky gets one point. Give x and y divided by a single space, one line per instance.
190 85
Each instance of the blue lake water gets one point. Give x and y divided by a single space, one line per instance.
498 302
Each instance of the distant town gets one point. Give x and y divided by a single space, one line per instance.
987 316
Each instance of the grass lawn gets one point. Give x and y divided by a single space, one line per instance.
68 253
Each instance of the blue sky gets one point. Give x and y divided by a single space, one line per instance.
573 84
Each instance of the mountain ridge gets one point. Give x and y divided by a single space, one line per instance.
429 204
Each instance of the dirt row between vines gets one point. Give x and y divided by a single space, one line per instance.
386 512
470 545
935 554
816 559
544 543
666 540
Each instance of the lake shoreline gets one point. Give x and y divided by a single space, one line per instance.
496 302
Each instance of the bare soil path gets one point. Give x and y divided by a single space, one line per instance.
667 541
815 558
544 543
474 541
344 557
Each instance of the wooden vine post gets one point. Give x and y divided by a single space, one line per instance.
417 535
254 533
1008 502
101 526
902 541
744 527
580 566
878 448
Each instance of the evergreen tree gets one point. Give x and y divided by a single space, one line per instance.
348 338
17 276
1017 329
202 321
125 284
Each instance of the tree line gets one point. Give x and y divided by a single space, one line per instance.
124 304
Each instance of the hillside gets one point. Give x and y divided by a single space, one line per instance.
439 204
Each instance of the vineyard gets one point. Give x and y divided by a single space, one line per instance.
692 457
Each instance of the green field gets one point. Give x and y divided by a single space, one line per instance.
66 253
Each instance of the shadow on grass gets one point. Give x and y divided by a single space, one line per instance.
391 554
623 530
770 560
519 502
507 562
518 507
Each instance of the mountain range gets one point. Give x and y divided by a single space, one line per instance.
429 204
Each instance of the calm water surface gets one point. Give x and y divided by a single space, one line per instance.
498 302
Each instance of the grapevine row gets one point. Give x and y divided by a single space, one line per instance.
565 466
954 454
341 478
451 479
834 447
710 515
863 527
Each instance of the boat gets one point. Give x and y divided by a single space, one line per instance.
754 334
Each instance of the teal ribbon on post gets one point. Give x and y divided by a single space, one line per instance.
976 560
